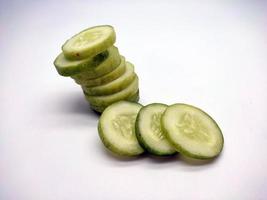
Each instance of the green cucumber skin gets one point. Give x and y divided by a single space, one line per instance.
111 62
76 67
143 143
112 147
134 98
182 150
115 86
117 72
94 50
96 92
109 99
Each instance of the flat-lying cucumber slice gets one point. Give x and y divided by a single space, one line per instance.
192 131
116 128
115 85
133 98
117 72
109 64
109 99
67 67
149 132
89 42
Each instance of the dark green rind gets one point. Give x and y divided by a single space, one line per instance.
93 50
112 147
134 98
67 67
184 151
112 61
142 142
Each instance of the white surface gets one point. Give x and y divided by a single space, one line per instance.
211 54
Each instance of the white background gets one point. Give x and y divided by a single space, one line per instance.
211 54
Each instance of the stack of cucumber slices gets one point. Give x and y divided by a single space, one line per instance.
129 129
90 58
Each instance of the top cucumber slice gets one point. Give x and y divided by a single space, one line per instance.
149 132
89 42
116 128
67 67
192 131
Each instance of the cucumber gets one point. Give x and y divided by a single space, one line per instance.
109 64
89 42
117 72
149 132
67 67
109 99
115 85
192 131
116 128
100 109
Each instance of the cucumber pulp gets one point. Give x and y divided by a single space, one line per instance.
114 86
109 64
116 128
149 131
89 42
192 131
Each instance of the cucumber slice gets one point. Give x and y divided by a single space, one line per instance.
89 42
133 98
117 72
116 128
192 131
109 64
115 85
149 132
67 67
112 98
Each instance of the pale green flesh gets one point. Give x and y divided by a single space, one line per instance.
149 131
109 99
109 64
67 67
193 132
117 72
133 98
114 86
116 128
89 42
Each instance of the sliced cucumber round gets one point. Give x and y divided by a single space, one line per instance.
149 132
109 99
67 67
117 72
109 64
115 85
89 42
116 128
133 98
192 131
